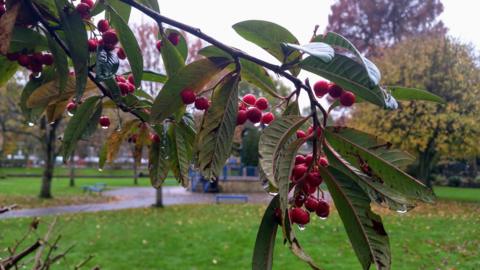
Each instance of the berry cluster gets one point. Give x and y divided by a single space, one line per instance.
307 183
189 97
154 138
32 61
321 88
251 108
126 86
3 8
84 8
108 41
173 37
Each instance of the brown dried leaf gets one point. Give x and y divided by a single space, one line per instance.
7 23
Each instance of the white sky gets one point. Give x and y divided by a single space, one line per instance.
216 18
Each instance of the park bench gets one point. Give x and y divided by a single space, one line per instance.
98 187
222 197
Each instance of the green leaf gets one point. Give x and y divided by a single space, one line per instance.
98 8
107 65
265 242
172 59
76 38
215 137
270 37
128 41
152 4
352 76
213 51
292 108
274 137
61 63
181 141
79 124
157 162
182 46
123 10
153 76
320 50
26 38
194 76
337 40
404 93
7 70
259 77
380 169
364 228
102 156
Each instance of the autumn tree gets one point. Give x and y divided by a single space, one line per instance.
374 24
358 168
446 68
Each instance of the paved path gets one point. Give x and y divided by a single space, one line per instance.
132 197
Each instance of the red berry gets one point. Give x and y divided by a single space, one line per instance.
308 188
241 117
242 106
90 3
249 99
120 79
36 58
92 45
13 56
321 88
335 91
121 54
267 118
154 138
202 103
261 103
301 134
71 106
159 45
174 38
110 37
254 115
103 26
83 9
299 171
314 179
35 67
131 87
299 216
104 121
47 59
23 60
124 88
131 79
311 203
299 159
308 159
323 209
299 200
347 98
2 10
188 96
323 161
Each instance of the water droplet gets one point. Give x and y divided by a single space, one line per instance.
272 193
301 227
31 124
322 218
100 169
69 114
104 127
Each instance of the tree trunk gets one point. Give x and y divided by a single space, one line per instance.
49 140
158 198
135 172
72 170
427 159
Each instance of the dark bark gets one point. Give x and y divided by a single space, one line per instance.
427 159
49 137
72 170
135 172
159 198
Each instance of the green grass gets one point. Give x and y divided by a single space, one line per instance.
63 171
222 237
458 194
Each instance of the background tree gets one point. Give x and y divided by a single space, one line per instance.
444 67
373 24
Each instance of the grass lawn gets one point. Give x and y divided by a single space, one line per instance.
458 194
63 171
222 236
24 191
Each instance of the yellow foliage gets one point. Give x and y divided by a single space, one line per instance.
444 67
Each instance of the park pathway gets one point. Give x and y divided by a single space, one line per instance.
132 197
